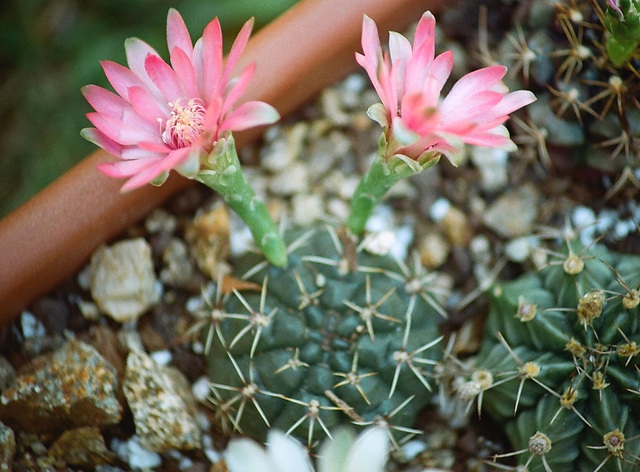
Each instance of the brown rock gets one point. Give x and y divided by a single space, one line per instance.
7 448
72 387
82 447
163 408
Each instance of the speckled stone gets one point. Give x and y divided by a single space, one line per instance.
123 281
7 448
514 212
163 408
72 387
208 238
84 447
7 373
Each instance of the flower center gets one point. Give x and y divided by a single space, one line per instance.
186 123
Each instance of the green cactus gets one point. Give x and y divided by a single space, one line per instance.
580 58
561 349
339 335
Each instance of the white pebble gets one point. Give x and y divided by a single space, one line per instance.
31 326
492 164
584 219
519 249
411 449
379 243
201 389
439 209
123 281
404 237
134 454
307 208
161 357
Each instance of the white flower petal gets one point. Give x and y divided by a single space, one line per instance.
370 452
333 453
246 455
287 454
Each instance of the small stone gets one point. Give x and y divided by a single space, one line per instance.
200 388
326 152
123 281
163 408
134 454
160 221
290 180
439 209
307 208
513 213
434 250
331 104
519 249
7 448
7 374
89 310
456 227
178 270
492 164
161 358
72 387
208 238
31 326
82 447
379 242
283 150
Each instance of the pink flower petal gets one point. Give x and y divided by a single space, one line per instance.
177 33
155 168
236 50
185 72
145 105
248 115
100 139
127 168
238 88
121 78
104 101
122 132
137 52
163 77
211 59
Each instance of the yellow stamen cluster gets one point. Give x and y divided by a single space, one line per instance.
590 306
186 123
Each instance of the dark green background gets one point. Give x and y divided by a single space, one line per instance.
49 49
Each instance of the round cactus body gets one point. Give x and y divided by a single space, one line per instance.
338 335
562 347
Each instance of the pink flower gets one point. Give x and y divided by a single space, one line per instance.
165 117
409 80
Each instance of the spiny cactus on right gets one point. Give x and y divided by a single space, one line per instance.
560 362
569 53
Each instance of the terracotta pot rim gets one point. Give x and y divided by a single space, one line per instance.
51 236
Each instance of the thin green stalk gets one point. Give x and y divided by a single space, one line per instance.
223 173
383 174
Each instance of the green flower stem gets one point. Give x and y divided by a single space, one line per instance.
222 172
383 174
